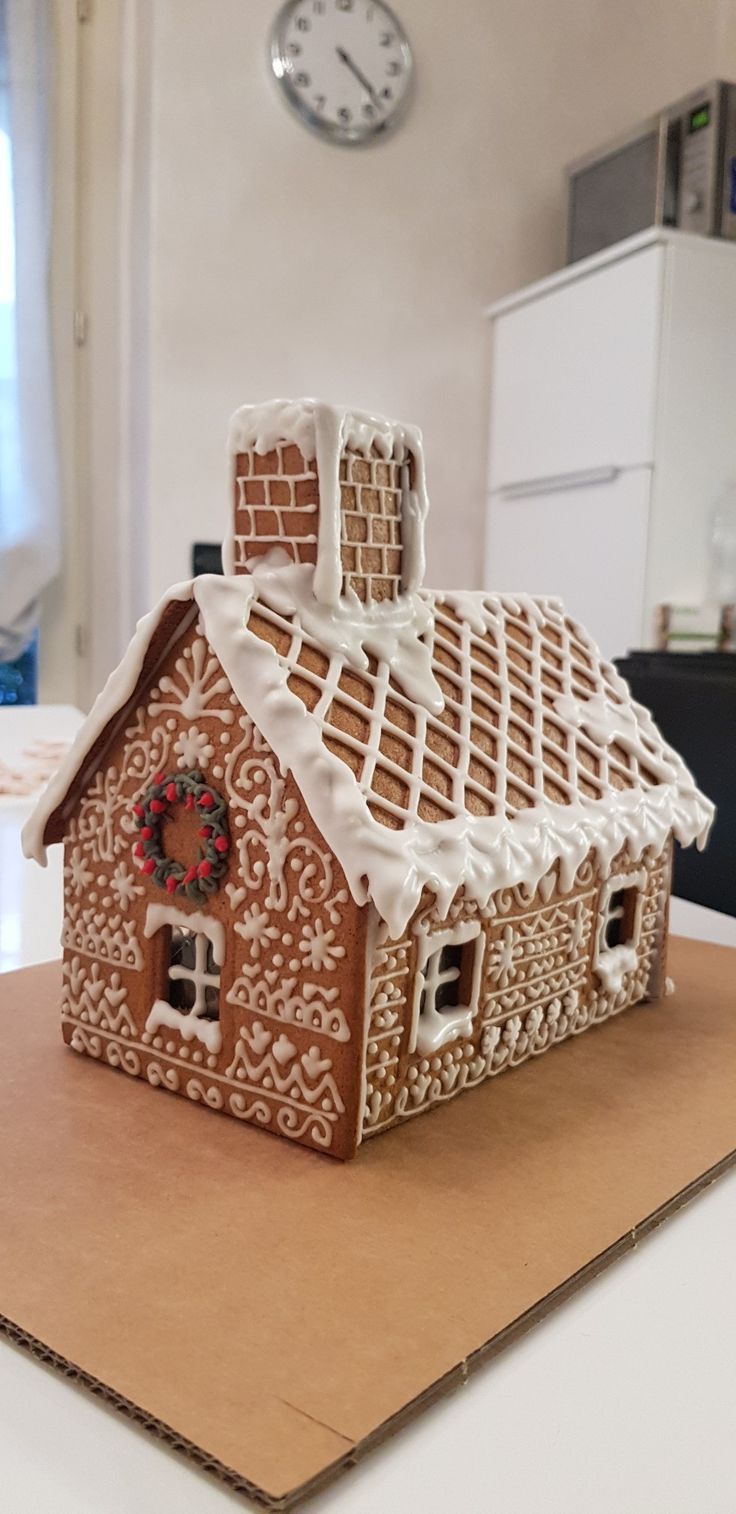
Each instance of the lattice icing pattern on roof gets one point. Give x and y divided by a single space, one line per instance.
513 730
534 756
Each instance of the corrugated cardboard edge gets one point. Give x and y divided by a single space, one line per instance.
455 1378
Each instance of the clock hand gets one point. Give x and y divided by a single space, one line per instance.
361 78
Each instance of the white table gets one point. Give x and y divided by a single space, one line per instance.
623 1400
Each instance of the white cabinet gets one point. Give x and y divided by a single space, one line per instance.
575 374
611 433
538 539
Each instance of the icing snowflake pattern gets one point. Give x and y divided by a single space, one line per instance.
76 872
255 929
193 749
505 957
319 947
124 886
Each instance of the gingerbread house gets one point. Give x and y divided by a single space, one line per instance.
338 847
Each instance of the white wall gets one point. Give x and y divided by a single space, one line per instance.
226 254
280 265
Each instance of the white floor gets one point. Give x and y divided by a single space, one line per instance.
623 1400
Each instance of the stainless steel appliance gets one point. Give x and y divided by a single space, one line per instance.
678 168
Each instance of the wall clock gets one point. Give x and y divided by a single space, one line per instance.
345 66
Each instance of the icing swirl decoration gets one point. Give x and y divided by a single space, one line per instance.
201 878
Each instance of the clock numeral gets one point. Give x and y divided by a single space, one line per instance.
344 114
293 49
303 80
394 67
344 5
318 7
387 94
320 102
369 111
386 39
303 23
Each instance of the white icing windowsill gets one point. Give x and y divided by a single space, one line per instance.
440 1028
189 1026
612 966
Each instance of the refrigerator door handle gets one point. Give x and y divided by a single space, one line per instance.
557 483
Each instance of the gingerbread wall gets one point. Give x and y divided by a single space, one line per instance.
537 987
291 992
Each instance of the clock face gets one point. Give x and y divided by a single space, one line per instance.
344 65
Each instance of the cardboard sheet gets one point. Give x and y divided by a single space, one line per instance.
273 1313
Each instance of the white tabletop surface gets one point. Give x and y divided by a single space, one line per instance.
622 1402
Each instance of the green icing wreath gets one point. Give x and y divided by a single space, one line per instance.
202 877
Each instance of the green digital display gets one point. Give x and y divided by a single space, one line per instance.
699 118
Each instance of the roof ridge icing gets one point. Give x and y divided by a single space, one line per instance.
392 867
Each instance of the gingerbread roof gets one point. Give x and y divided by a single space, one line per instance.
457 739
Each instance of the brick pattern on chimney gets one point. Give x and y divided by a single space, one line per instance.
276 504
370 536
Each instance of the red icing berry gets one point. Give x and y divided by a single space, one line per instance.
171 884
158 806
204 869
205 831
139 811
170 792
158 777
205 801
148 865
189 875
146 832
189 802
138 849
221 845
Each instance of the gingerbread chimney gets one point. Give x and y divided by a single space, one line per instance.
340 491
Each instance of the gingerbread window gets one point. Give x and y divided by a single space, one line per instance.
194 977
447 986
191 954
619 929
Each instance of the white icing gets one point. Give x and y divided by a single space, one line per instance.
391 631
189 1026
290 1000
158 915
468 605
624 722
612 965
119 688
669 987
322 432
95 998
390 867
94 933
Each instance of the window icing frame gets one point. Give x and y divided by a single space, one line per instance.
191 1024
611 963
435 1029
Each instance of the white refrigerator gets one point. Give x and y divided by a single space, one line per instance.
613 431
